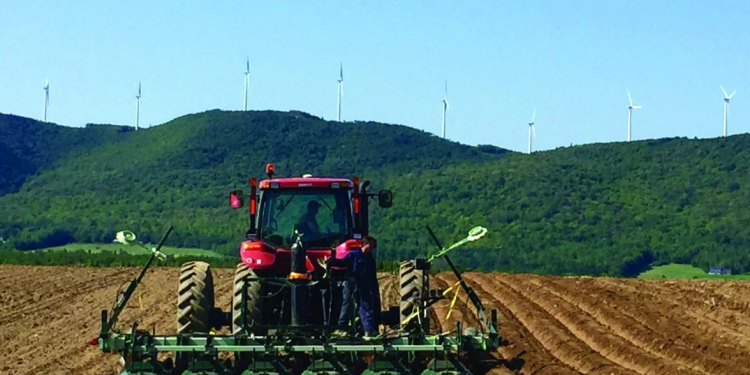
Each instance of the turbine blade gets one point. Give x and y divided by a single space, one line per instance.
341 72
446 90
533 116
724 91
248 65
637 107
630 100
533 130
732 94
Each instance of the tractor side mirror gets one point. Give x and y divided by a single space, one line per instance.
385 198
235 199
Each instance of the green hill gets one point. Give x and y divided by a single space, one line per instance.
181 172
594 209
28 146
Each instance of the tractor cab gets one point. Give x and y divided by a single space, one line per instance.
322 213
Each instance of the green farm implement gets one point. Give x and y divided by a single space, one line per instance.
285 303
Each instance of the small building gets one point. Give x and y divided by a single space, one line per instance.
719 271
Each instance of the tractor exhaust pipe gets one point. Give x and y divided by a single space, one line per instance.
299 280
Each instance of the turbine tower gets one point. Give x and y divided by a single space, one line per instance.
247 82
46 99
631 107
532 129
341 93
138 107
445 107
726 107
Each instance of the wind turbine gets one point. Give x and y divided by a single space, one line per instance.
138 107
46 99
726 106
631 107
341 93
445 107
247 82
532 129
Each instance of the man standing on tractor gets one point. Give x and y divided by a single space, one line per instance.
361 267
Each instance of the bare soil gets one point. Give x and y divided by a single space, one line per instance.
548 325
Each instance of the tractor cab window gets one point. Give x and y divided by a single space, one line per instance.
322 217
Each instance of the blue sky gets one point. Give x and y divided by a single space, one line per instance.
571 60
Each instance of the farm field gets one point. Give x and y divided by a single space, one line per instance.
549 325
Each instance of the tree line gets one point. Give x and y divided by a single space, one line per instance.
600 209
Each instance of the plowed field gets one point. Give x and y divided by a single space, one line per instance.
549 325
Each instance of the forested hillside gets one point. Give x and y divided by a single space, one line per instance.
28 146
182 171
594 209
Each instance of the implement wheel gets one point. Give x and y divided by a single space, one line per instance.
195 297
242 281
412 282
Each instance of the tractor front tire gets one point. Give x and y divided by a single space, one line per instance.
245 279
412 282
195 298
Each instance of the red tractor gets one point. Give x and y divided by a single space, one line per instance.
286 312
295 224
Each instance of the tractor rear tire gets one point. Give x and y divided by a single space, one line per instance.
253 315
412 282
195 298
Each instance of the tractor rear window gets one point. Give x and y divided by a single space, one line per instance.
322 216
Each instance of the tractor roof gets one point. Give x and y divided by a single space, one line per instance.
306 181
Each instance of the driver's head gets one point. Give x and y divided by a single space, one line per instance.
313 206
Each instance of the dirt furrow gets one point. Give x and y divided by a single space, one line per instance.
59 292
647 331
519 350
720 324
482 363
555 336
600 338
38 341
549 325
726 302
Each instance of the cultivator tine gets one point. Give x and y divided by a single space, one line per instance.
327 366
279 367
389 366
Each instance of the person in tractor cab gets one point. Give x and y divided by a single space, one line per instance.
361 267
308 224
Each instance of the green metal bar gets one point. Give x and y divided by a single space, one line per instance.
304 348
267 354
474 234
144 342
124 297
469 291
